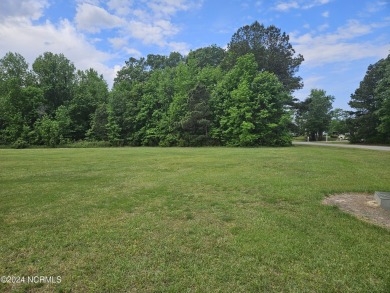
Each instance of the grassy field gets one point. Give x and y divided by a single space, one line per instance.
190 220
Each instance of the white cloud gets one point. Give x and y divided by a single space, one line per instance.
375 6
323 53
133 52
152 24
300 4
323 27
339 46
164 8
92 18
121 45
352 30
118 43
285 6
148 21
180 47
167 27
153 30
150 33
61 38
92 2
325 14
121 7
27 9
314 3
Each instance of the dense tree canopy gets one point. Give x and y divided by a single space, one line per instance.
371 119
272 51
55 75
240 96
250 107
208 56
236 97
21 102
338 124
315 114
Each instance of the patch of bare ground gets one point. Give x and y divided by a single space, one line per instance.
362 206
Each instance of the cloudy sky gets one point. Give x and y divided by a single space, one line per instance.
338 38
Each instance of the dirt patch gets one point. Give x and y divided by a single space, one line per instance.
361 205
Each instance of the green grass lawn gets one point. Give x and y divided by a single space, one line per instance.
191 220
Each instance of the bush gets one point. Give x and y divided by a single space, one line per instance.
20 143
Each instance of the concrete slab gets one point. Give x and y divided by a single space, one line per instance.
383 199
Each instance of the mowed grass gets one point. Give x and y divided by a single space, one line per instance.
191 220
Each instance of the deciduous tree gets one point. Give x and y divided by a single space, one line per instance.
249 107
370 120
20 100
317 115
272 50
56 77
207 56
91 90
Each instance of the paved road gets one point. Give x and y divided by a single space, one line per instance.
368 147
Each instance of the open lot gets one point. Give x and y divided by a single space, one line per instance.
191 220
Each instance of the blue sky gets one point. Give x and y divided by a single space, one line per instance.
338 38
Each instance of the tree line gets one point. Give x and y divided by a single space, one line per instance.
368 122
241 96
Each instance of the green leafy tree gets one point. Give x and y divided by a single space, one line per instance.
382 92
272 51
99 121
113 130
370 120
126 95
170 125
208 56
20 100
174 59
119 100
62 117
152 107
317 114
249 107
134 71
91 90
155 61
195 124
19 109
13 67
384 126
56 77
47 131
54 131
338 123
104 126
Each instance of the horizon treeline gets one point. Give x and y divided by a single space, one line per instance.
236 97
241 96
